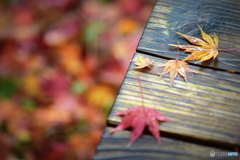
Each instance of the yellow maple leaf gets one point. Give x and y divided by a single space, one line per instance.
202 49
174 67
143 63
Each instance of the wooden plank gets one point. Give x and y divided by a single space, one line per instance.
171 16
113 147
207 107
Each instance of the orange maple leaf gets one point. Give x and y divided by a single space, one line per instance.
202 49
143 63
174 67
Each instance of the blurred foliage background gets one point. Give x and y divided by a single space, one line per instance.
61 65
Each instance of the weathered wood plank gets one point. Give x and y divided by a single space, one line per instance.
170 16
113 147
207 107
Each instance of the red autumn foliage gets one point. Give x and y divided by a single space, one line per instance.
138 118
56 57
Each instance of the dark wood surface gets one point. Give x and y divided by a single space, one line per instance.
113 147
206 109
171 16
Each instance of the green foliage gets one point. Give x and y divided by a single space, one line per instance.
8 87
28 104
92 31
77 87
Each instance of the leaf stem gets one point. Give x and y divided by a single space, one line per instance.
141 90
225 50
177 51
152 69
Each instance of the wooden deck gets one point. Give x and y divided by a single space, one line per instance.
206 109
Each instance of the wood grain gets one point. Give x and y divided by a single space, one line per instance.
207 107
113 147
171 16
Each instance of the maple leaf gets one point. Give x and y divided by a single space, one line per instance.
138 118
143 63
202 49
174 67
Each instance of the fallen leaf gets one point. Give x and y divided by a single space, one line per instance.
143 63
202 49
174 67
138 118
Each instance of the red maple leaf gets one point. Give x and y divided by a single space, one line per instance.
138 118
